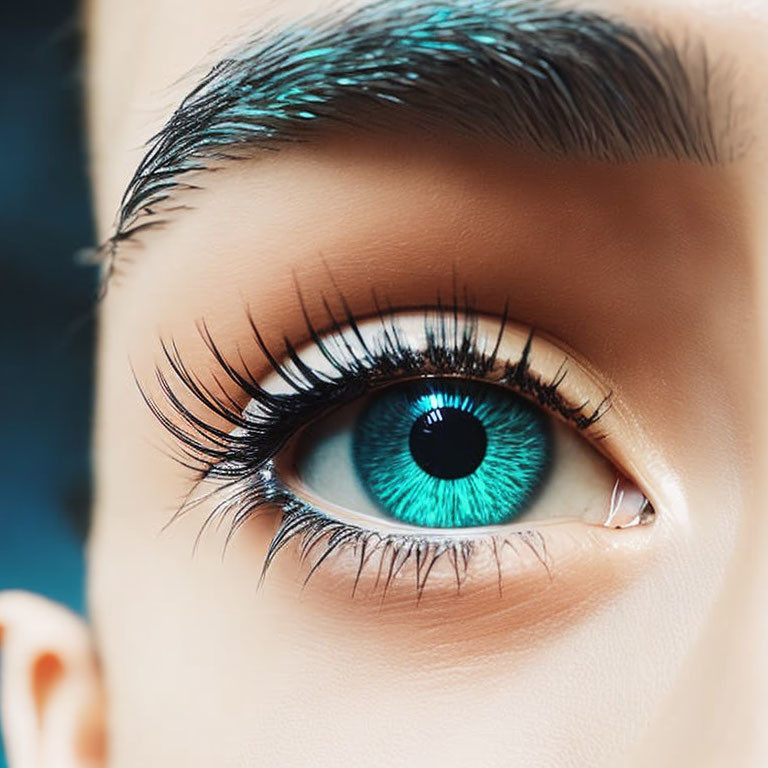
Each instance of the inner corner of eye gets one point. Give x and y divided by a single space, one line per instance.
453 453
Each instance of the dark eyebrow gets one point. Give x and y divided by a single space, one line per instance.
567 82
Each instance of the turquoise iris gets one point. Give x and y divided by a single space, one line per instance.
447 453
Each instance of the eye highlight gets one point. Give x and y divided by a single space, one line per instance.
459 432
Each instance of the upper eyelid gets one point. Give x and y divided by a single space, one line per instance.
213 447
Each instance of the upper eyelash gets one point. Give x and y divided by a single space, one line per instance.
243 456
451 350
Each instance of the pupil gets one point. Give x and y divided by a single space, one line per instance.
448 443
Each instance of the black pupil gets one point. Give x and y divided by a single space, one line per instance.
448 443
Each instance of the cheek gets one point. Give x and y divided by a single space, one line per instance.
202 668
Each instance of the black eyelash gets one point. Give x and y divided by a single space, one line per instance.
241 455
309 526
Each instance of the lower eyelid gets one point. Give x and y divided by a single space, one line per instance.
496 606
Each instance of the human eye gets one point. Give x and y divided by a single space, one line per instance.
405 436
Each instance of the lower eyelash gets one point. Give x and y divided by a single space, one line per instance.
242 458
322 536
395 551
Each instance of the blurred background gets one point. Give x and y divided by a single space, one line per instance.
46 302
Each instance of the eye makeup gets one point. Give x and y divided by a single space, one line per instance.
253 466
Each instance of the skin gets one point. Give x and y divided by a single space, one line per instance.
642 647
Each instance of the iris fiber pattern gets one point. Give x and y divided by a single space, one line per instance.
517 457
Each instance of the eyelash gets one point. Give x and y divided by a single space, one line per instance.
243 457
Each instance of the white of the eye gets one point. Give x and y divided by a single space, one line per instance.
326 466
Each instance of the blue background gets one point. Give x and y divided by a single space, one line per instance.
46 303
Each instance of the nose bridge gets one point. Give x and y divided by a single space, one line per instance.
717 712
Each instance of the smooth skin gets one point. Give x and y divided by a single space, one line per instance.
643 647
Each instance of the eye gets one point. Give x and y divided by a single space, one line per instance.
508 444
431 431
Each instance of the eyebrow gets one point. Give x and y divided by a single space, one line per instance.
567 82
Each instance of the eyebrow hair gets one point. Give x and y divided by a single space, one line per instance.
528 72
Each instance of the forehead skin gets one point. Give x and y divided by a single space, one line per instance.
669 666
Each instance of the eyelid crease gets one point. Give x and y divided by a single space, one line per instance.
467 344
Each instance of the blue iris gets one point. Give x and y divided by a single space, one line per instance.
447 453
